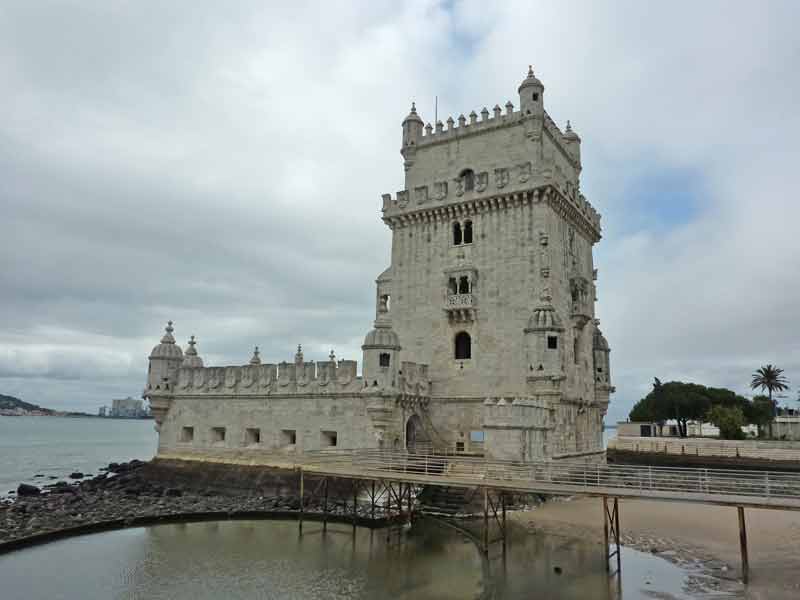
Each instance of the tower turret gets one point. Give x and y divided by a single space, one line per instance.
573 143
190 357
165 359
381 353
412 133
531 93
602 365
544 345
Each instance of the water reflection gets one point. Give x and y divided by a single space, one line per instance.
270 559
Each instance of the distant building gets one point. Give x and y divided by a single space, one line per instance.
103 411
128 408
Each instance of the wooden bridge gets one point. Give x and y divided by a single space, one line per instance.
396 472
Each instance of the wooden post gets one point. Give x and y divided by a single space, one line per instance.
743 545
486 520
302 493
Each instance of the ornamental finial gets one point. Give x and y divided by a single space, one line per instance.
332 356
530 70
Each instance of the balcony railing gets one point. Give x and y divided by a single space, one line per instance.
460 301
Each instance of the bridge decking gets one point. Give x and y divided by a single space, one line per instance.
750 489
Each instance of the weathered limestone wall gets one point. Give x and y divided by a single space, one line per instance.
312 418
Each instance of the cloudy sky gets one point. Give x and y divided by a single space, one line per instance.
221 164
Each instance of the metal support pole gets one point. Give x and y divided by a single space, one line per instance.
325 507
372 501
743 545
616 534
605 532
355 501
503 505
486 520
302 494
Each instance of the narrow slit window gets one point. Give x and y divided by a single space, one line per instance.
552 342
384 359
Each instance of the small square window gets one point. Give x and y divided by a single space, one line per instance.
289 437
217 435
384 359
187 435
552 342
252 437
535 97
459 446
328 439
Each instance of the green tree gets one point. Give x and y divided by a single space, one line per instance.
771 379
729 419
690 402
759 413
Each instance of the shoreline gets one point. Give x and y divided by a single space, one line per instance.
703 539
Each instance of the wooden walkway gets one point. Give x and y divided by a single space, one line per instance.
740 489
750 489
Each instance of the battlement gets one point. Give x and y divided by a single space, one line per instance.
278 379
457 129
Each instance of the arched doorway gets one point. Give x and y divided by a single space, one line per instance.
416 438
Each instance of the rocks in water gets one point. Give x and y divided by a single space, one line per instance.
173 492
557 570
25 489
76 475
38 475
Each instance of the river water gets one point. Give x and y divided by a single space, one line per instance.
272 560
57 446
269 559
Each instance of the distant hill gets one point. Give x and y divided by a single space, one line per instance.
11 403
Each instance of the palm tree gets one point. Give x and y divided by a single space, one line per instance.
771 379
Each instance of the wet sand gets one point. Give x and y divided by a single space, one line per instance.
692 534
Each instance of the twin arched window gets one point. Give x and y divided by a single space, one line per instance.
462 235
463 346
462 285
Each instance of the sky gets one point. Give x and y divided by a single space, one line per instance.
221 165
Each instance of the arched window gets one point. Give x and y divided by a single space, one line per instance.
463 285
456 233
463 346
452 286
467 232
469 179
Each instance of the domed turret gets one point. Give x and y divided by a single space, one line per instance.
381 352
190 357
573 142
544 346
412 133
602 363
165 359
256 358
531 92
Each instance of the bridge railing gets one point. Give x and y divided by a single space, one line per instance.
572 476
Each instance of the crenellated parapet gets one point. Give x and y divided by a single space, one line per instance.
284 378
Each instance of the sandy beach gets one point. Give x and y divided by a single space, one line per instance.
691 534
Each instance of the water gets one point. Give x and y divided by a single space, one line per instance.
55 446
269 559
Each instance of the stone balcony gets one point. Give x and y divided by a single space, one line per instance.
460 307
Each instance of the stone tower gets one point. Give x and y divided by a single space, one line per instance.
492 282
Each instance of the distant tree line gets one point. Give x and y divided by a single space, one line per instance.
684 402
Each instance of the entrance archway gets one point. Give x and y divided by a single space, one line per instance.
416 437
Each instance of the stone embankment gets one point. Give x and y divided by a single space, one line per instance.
138 493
